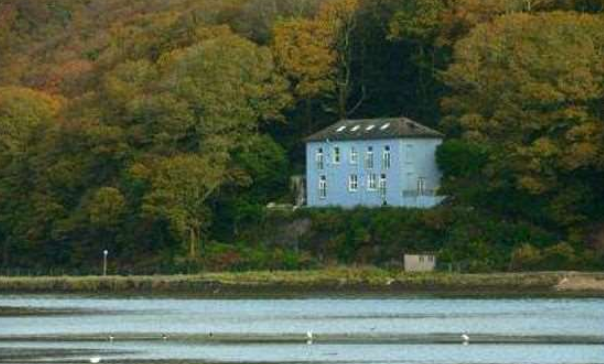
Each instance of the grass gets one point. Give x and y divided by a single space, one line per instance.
343 280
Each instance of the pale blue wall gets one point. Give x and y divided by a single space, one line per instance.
407 164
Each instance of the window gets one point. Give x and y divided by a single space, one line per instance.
353 183
383 185
371 182
354 155
369 158
421 186
421 258
431 258
386 157
409 154
336 155
323 187
319 158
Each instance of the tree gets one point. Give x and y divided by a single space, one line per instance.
218 93
229 86
317 53
528 88
106 207
22 112
180 187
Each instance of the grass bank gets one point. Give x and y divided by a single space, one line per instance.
330 281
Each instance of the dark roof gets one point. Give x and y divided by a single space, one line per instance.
381 128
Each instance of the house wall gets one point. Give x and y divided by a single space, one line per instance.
410 159
420 263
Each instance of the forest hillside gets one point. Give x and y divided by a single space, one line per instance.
159 130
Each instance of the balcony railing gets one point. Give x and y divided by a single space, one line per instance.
417 193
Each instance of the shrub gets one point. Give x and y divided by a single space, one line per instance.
526 258
559 257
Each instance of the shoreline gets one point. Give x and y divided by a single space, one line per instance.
340 281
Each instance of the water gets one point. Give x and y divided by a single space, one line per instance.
137 324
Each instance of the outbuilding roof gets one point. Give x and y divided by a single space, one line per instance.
381 128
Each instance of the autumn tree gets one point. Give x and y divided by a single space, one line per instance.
528 88
317 53
22 112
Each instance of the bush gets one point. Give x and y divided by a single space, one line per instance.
465 237
245 257
559 257
526 258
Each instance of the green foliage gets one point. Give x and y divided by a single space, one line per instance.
468 239
106 207
154 128
525 258
243 257
417 19
22 113
516 95
461 159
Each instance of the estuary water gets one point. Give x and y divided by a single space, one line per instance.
70 329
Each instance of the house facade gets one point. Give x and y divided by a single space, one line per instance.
373 162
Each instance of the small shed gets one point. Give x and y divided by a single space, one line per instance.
423 262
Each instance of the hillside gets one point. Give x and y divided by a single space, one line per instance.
159 130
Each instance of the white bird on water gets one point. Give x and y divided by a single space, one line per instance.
95 359
465 338
309 337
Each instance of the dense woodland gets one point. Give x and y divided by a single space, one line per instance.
159 130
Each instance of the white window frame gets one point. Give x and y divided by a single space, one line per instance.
322 187
383 186
369 158
372 182
386 157
353 183
337 155
354 155
421 186
320 158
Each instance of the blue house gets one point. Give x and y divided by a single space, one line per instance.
373 162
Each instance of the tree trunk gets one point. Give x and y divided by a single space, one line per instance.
309 116
5 248
192 243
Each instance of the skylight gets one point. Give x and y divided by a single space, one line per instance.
356 127
370 127
341 129
385 126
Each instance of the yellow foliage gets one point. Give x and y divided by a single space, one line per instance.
303 51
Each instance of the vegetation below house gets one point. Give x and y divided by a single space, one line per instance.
342 280
159 130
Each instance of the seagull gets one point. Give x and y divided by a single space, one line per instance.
465 338
309 337
95 359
